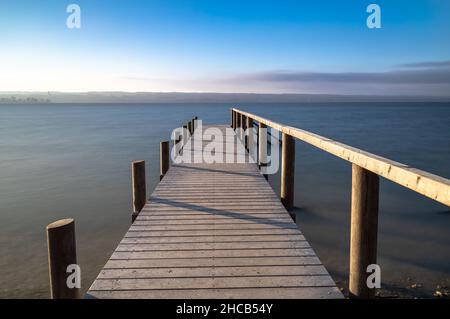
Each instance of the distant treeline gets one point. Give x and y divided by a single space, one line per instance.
24 100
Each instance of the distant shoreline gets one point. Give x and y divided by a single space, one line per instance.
181 97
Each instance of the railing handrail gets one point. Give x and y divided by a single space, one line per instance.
427 184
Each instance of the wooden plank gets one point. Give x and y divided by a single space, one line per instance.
210 262
212 246
248 293
241 214
213 282
211 233
213 220
209 239
237 226
223 253
190 272
205 216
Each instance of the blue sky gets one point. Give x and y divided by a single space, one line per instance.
226 46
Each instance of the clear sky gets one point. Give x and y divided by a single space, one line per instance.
313 46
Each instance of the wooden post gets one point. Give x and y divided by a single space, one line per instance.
287 171
138 187
177 145
185 130
163 159
194 124
232 118
262 146
189 125
364 229
241 125
243 122
62 252
249 126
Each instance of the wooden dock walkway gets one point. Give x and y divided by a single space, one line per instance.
214 231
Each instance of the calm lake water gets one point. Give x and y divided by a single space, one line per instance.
59 161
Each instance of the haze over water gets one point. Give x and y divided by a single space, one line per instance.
73 160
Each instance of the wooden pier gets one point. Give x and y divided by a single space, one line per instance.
218 230
214 231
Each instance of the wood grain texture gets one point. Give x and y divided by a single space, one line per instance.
62 252
364 230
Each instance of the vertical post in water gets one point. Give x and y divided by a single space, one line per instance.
185 130
243 125
287 171
232 118
249 140
138 187
62 252
238 120
189 126
262 146
194 124
239 123
364 229
177 145
163 159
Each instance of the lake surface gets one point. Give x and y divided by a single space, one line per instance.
59 161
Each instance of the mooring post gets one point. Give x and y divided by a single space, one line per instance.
189 126
249 140
177 145
238 120
232 118
243 124
363 231
287 171
62 252
138 187
262 147
185 131
163 159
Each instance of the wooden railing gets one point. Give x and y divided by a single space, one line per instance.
366 169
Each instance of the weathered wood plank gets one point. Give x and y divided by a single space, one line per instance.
238 226
214 282
211 232
210 262
212 246
223 253
213 239
213 220
212 272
